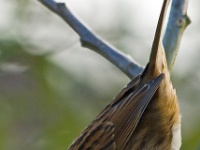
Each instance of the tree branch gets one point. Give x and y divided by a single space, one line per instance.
178 21
90 40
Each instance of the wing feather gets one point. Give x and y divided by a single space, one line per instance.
124 114
131 114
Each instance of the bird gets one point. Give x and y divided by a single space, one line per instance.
144 115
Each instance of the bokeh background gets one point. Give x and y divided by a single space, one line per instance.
51 87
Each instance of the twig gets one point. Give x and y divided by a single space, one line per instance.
90 40
177 23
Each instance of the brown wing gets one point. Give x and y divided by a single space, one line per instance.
100 133
130 110
98 136
116 123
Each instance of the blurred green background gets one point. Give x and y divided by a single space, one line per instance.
51 87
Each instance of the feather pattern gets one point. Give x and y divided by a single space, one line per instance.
144 115
102 133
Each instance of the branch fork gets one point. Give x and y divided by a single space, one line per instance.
178 21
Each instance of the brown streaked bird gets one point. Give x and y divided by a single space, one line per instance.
144 115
